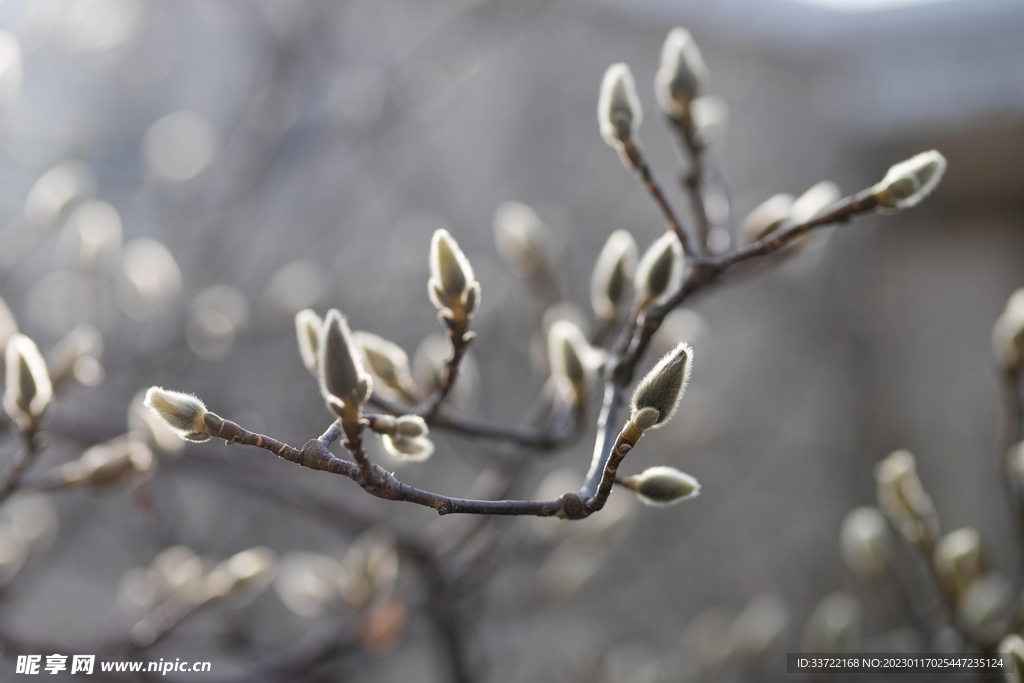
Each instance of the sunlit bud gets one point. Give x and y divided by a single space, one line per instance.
307 583
1013 645
342 377
865 542
834 625
73 354
13 552
568 352
618 107
107 463
28 390
662 486
817 198
613 270
759 629
307 330
150 428
959 560
241 576
183 413
1008 333
522 238
411 449
452 284
910 181
904 500
660 270
662 387
682 75
387 362
411 426
983 601
765 218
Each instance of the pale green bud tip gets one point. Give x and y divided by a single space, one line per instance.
663 387
615 266
342 376
412 449
865 541
663 486
910 181
660 270
567 350
958 559
183 413
903 498
28 388
411 426
452 284
645 418
307 331
386 361
682 74
618 107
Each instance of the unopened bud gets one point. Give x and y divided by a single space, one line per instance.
765 218
522 238
567 357
452 286
834 625
682 75
1013 645
615 266
108 463
618 107
411 449
959 560
660 270
910 181
865 542
663 486
387 362
342 376
1008 333
983 601
662 388
183 413
411 426
242 575
709 116
904 500
307 330
28 390
816 199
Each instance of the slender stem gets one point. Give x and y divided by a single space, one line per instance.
459 340
694 180
12 480
606 429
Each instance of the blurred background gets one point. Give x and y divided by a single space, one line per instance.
182 177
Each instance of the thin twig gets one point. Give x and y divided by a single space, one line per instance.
694 180
12 480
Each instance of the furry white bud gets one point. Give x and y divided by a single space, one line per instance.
910 181
307 331
183 413
660 271
452 285
865 542
568 351
682 75
342 376
663 486
618 107
765 218
959 560
662 388
411 426
613 270
387 362
817 198
904 500
28 390
414 449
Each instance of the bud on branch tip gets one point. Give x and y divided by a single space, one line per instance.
910 181
618 107
661 389
183 413
28 389
615 266
660 270
452 285
307 330
342 376
663 486
682 74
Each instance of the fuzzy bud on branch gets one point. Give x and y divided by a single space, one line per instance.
452 286
307 330
910 181
959 560
344 382
387 362
567 353
904 500
28 389
618 108
865 542
660 270
615 266
682 75
657 395
184 413
662 486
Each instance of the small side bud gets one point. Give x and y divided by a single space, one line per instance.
765 218
452 285
522 238
615 266
388 363
618 107
660 270
682 75
28 389
904 500
1008 333
307 330
817 198
342 376
865 542
411 426
662 486
567 353
662 387
415 449
910 181
959 560
184 413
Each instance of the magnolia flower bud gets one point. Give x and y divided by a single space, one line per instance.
910 181
411 426
411 449
615 266
765 218
28 390
387 362
307 330
1013 645
1008 333
452 286
660 270
682 75
865 542
522 238
108 463
183 413
834 625
618 107
904 500
983 601
959 560
567 353
662 486
817 198
662 388
342 377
